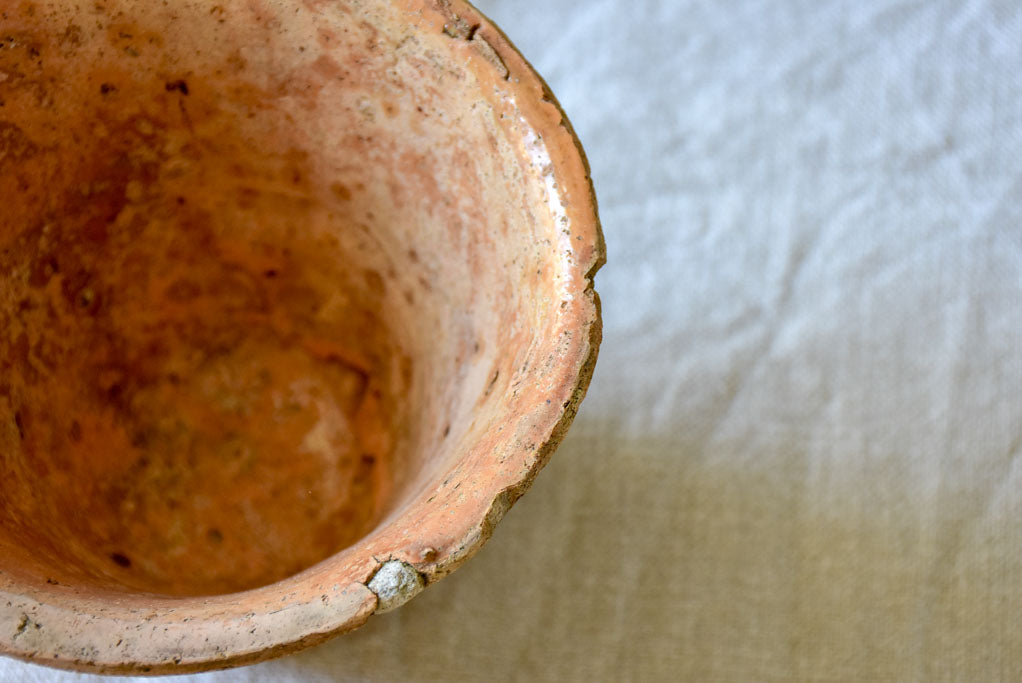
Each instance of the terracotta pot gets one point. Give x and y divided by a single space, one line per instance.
295 301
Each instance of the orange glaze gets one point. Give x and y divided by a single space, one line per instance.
195 380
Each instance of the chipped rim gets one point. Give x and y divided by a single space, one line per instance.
182 635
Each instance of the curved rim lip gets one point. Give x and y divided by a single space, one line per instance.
297 629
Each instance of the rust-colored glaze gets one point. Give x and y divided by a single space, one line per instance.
287 290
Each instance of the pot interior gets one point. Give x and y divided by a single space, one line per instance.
258 279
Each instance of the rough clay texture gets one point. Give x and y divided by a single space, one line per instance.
285 287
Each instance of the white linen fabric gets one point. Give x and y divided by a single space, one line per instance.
800 455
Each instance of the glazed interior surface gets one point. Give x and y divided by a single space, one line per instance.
258 281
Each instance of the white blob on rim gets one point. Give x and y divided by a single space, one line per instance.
395 583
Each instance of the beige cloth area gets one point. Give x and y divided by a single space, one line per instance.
799 459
